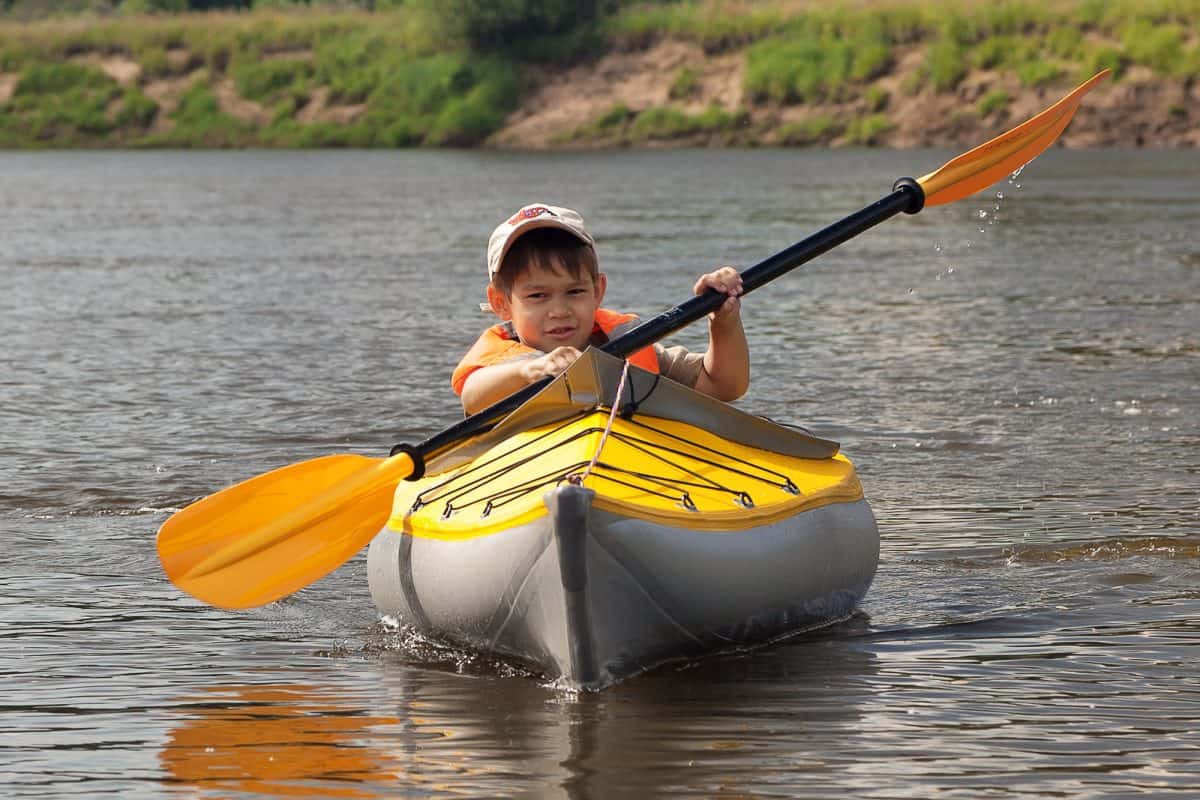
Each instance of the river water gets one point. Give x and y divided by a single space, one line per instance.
1016 376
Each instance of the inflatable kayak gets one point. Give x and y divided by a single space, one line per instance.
592 545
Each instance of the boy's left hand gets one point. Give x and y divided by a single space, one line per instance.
728 281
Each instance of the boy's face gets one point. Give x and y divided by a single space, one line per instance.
549 308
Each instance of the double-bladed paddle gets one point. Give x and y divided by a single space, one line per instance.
264 538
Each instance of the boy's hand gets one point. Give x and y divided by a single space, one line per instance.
553 363
728 281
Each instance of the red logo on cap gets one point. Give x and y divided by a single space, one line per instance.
530 213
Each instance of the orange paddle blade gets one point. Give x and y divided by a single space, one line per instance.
267 537
978 169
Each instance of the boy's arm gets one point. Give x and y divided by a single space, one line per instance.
489 385
726 374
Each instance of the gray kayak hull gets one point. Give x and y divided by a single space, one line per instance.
589 598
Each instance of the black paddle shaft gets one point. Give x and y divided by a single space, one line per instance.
907 196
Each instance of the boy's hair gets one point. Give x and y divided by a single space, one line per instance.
553 249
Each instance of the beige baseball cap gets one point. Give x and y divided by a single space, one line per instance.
531 217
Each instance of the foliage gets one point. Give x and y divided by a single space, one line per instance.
621 124
686 84
502 26
810 131
264 80
945 64
995 100
1158 46
876 98
54 103
817 57
867 130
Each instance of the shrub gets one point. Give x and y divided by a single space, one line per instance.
995 100
796 70
867 130
1037 73
876 98
945 64
686 83
502 25
1158 47
1104 58
668 123
136 110
264 81
199 121
809 131
45 79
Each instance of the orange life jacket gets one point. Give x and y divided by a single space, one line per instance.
498 344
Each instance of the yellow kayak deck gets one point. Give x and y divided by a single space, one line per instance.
648 468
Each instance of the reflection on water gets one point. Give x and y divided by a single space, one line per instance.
1022 410
283 740
431 735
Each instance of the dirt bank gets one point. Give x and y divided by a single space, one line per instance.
1140 110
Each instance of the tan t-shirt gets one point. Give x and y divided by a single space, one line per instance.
679 365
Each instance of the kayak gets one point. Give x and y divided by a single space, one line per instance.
591 544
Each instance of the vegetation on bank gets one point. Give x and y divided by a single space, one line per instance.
430 73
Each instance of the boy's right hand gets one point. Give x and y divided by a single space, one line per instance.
553 363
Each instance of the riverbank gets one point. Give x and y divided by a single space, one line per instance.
719 74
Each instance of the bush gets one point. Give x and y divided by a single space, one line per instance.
686 84
670 123
876 98
945 64
818 58
995 100
46 79
810 131
1158 47
200 122
797 70
137 110
867 130
266 80
1037 73
501 25
1104 58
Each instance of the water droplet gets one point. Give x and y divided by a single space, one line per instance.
999 195
969 242
910 291
937 247
982 214
950 271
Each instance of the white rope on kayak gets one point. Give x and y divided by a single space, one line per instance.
612 415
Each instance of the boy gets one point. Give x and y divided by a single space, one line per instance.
546 286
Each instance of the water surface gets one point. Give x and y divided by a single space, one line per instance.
1017 378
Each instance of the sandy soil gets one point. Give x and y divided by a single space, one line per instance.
638 80
1142 110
